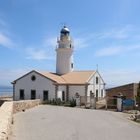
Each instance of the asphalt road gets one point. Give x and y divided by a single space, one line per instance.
63 123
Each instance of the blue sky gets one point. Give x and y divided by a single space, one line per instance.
105 32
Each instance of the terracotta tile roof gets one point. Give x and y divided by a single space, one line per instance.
54 77
78 77
75 77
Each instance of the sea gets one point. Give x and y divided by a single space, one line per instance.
4 91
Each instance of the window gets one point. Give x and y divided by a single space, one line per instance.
33 94
90 93
63 95
97 94
102 92
71 65
45 95
33 78
97 80
21 94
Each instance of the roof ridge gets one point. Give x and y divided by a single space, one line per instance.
53 74
91 76
63 78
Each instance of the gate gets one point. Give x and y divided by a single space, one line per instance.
88 102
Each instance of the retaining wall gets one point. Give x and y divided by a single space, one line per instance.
6 117
6 114
19 106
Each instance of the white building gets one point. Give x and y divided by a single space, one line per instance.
65 83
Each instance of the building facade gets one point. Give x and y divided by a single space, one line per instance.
65 84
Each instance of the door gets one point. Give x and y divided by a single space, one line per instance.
45 95
97 94
33 94
21 94
63 95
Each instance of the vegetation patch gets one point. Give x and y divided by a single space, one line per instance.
58 102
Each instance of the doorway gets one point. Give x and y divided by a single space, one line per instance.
45 95
22 94
96 94
33 94
63 95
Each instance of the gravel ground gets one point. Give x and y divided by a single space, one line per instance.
63 123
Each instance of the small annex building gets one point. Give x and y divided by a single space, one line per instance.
65 84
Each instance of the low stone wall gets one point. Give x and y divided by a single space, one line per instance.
6 118
6 114
19 106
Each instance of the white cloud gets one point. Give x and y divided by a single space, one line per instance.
5 41
36 54
80 43
133 47
9 75
116 77
50 41
116 50
3 23
12 74
108 51
116 33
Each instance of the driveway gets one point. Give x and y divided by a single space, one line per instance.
63 123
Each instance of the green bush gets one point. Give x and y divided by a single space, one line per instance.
71 103
67 103
46 102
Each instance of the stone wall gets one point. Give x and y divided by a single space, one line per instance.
6 114
129 91
6 117
126 90
19 106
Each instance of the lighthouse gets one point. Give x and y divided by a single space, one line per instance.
65 84
64 52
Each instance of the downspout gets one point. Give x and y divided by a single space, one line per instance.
56 90
13 83
86 87
67 92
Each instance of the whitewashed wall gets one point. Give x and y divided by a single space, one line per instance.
40 84
93 86
76 89
64 60
59 92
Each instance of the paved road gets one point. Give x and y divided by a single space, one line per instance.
62 123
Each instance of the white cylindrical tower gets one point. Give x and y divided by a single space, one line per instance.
64 56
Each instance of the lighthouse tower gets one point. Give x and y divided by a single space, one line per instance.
64 57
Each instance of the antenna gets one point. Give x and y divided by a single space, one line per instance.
63 24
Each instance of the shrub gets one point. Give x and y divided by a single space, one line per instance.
67 103
72 102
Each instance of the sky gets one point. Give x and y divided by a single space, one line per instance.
106 34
